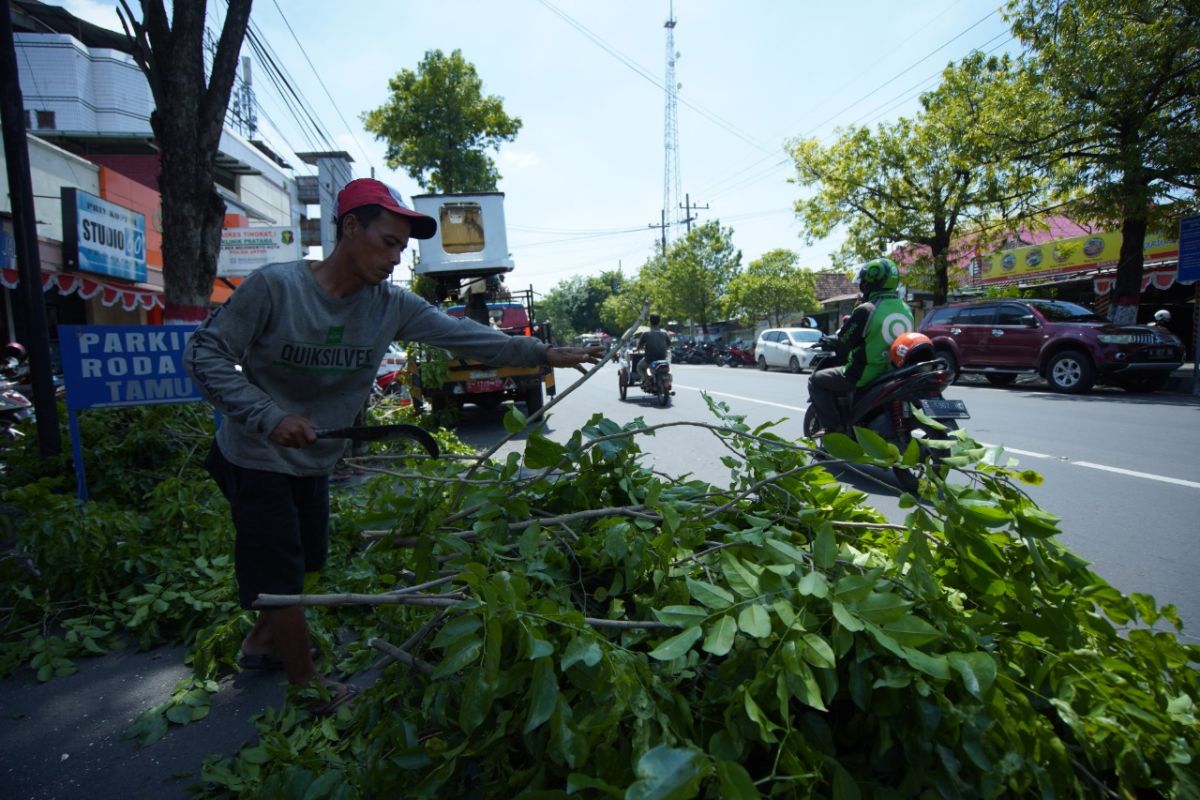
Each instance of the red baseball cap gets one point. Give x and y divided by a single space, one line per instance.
370 192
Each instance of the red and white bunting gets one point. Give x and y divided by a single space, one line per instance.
67 283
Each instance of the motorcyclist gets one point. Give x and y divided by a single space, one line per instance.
865 339
654 344
1161 319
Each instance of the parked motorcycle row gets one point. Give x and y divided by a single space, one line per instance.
15 404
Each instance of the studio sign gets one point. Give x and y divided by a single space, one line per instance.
102 237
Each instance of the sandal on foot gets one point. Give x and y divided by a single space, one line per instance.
343 697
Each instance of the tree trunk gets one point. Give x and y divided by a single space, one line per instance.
187 122
939 249
1127 291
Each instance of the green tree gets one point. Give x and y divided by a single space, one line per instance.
189 115
573 305
926 181
770 287
439 125
1117 127
693 282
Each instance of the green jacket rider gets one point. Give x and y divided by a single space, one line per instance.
864 339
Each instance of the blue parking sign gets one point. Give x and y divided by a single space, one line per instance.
1189 249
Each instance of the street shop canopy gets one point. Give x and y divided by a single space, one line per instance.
130 298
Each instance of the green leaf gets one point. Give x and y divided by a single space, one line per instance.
876 446
541 452
735 781
581 650
985 512
709 595
681 616
738 576
543 694
977 669
325 784
179 714
911 630
667 773
254 755
825 547
882 607
754 621
456 629
842 447
813 584
677 645
787 550
720 636
817 651
514 420
464 652
845 618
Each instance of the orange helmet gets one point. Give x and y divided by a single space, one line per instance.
910 348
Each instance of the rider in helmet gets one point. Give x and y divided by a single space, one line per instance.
865 338
654 345
1161 318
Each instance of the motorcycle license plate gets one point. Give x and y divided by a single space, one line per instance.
940 408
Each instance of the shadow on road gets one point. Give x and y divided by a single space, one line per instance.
1025 387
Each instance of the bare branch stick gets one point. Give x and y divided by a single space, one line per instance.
397 654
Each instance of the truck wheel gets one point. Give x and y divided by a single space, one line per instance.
1070 371
533 398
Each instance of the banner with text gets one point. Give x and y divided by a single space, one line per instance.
102 237
244 250
125 365
1071 255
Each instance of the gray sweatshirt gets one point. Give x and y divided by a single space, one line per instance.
281 345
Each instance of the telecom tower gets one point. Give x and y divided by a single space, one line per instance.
671 179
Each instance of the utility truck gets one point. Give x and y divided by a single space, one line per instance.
465 263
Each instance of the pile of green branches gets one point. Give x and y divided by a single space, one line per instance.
568 622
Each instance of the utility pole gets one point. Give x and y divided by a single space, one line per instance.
687 208
671 178
662 226
29 267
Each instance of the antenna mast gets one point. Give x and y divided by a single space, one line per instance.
671 179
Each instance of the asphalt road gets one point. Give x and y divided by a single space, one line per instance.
1121 470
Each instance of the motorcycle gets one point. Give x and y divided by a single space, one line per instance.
735 356
15 407
657 384
888 406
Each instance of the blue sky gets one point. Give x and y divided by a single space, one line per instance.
584 179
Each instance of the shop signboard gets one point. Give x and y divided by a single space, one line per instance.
102 237
243 250
1076 254
1189 249
107 366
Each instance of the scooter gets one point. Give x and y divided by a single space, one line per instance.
888 406
657 384
737 357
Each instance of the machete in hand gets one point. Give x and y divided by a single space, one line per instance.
375 433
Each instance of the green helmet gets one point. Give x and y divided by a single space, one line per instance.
879 275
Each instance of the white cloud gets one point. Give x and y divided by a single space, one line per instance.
96 12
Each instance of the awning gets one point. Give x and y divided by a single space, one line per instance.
130 298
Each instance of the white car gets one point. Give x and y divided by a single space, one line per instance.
786 347
393 360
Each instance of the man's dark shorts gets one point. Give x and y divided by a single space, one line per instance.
282 524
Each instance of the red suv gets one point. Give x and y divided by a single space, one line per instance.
1068 345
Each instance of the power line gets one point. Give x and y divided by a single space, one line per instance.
332 102
644 73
